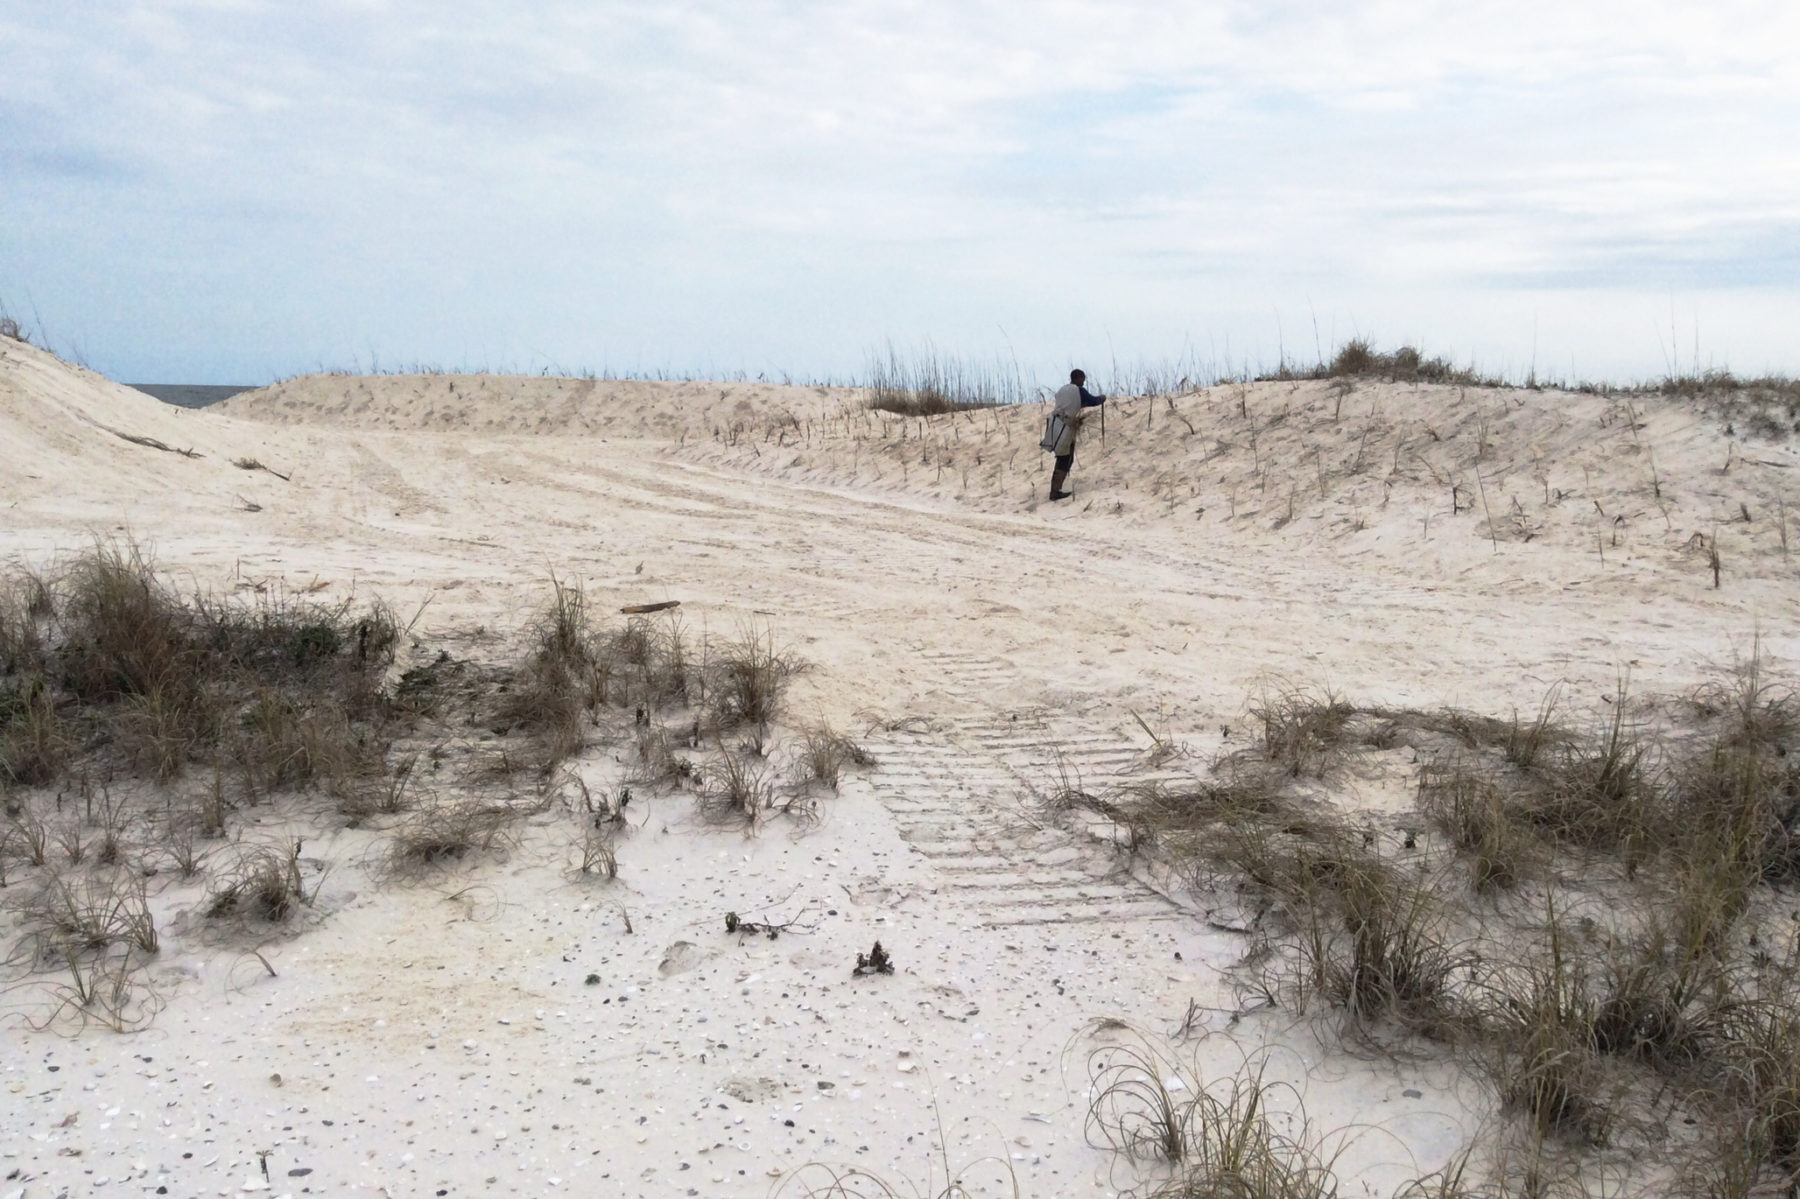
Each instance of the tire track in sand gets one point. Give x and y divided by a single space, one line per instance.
961 796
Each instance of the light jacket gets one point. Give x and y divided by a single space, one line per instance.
1071 398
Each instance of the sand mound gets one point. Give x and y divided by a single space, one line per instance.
1357 466
73 437
530 405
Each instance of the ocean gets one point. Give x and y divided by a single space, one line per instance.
188 395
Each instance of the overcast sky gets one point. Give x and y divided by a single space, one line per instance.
235 190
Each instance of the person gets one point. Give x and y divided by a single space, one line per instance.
1072 402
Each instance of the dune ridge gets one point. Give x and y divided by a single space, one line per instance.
521 405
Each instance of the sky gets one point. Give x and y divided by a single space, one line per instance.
233 191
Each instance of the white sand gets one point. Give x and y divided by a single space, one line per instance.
438 1037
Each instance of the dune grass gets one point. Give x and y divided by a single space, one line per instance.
106 659
138 720
931 383
1591 913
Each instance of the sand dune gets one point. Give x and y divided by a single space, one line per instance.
1403 544
1351 467
69 435
515 405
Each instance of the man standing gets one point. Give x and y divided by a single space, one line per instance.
1071 404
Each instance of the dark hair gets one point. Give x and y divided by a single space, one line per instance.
1078 376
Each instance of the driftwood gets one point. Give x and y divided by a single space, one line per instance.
640 609
154 444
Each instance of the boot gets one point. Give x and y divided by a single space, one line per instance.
1057 479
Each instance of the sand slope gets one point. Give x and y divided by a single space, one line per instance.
1349 467
79 444
513 405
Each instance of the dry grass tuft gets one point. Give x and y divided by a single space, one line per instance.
441 833
1473 810
932 384
1599 794
552 695
1544 1055
657 764
1227 1139
1369 940
736 787
825 752
1303 733
77 918
1358 359
263 884
112 663
35 742
596 856
748 676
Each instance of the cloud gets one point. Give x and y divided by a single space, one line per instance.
725 173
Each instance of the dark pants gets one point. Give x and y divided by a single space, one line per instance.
1065 461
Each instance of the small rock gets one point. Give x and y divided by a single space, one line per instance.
1412 1094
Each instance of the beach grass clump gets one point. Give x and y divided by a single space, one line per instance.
931 383
825 752
105 659
1200 823
89 937
1767 407
1303 732
576 670
441 833
26 606
748 677
1657 1001
1142 1105
1660 968
649 665
737 787
1475 811
1528 743
75 917
1757 1073
1358 358
1544 1057
1370 940
596 855
1600 793
35 742
658 764
1242 1136
262 884
552 694
1740 787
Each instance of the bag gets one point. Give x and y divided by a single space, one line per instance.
1055 426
